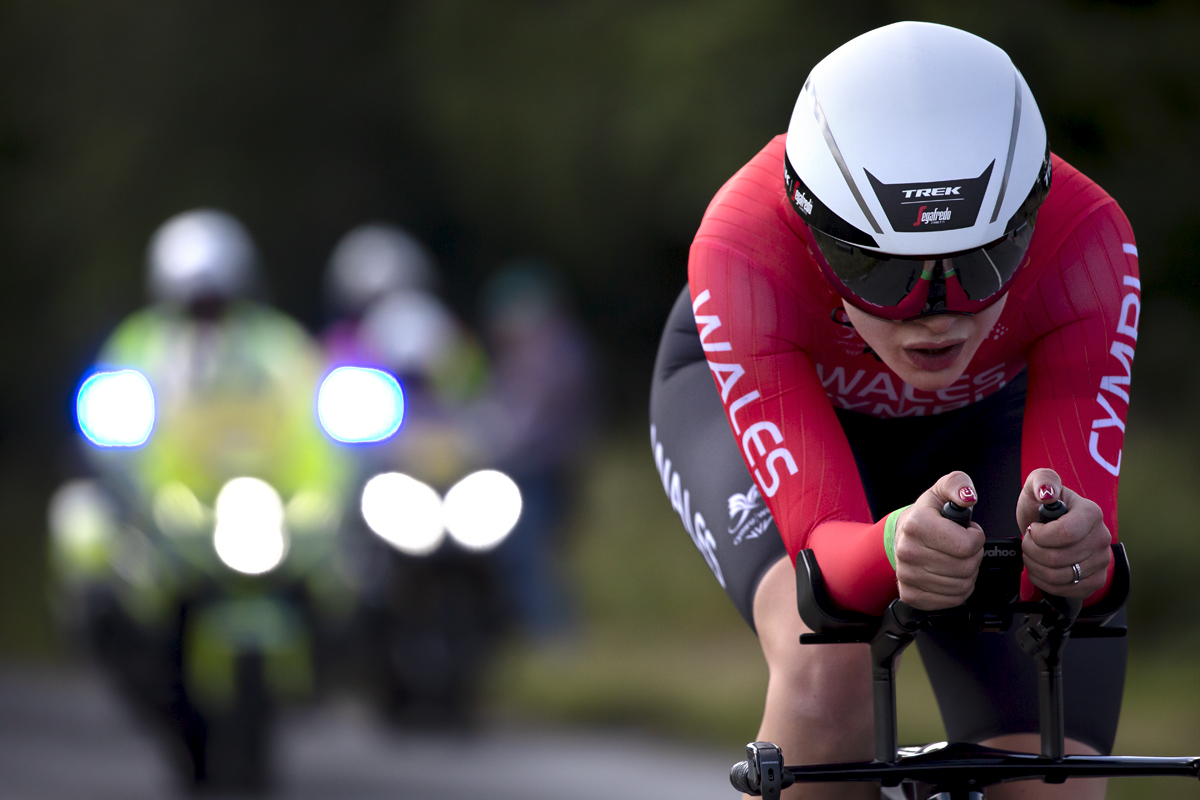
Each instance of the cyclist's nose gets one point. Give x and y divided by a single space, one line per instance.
937 323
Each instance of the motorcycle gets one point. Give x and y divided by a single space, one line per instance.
429 516
207 596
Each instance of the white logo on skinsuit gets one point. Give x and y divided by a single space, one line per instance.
744 503
755 517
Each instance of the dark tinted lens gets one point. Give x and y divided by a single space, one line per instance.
877 279
981 273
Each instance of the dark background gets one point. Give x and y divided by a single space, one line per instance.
589 133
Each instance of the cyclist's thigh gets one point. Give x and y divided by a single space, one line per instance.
701 468
987 686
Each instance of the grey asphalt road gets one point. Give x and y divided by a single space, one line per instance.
65 736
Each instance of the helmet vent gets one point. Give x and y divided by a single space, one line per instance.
841 162
1012 142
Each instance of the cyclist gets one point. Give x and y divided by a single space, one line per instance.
905 300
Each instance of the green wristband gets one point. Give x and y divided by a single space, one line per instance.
889 534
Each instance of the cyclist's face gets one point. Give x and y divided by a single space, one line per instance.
930 353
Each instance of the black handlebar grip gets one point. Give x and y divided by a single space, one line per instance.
956 513
1048 512
739 776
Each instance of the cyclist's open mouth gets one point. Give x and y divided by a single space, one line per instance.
934 359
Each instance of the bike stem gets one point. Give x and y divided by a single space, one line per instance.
896 632
1043 636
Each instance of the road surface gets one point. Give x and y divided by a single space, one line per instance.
65 736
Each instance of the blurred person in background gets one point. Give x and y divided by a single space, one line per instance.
539 414
368 262
201 559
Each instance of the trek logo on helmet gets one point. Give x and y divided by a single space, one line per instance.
901 200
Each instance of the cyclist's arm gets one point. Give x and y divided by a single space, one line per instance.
754 332
1081 318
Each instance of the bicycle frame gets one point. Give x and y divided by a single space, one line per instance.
960 770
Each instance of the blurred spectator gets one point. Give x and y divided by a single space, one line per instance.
538 416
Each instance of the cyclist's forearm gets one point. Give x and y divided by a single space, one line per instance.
855 565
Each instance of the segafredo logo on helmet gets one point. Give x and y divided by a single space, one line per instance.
932 205
816 214
802 201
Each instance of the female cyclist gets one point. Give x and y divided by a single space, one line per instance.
905 300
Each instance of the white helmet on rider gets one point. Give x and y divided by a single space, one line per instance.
373 260
922 142
200 254
411 331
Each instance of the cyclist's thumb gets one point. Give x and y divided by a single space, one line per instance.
954 487
1041 486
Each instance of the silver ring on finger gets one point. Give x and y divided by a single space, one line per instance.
1077 572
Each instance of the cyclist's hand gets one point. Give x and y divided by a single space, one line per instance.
1078 537
937 560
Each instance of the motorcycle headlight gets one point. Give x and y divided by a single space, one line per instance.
406 513
482 509
357 404
249 536
116 409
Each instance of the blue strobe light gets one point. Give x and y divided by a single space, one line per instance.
357 405
116 409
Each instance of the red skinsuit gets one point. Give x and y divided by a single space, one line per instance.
782 365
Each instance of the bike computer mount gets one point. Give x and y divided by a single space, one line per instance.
959 770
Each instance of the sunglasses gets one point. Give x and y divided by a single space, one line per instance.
906 287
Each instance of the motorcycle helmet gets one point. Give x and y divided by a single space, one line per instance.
917 157
373 260
412 331
200 254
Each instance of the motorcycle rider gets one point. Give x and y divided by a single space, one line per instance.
429 610
368 262
233 386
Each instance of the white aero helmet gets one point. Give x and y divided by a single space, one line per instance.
200 253
373 260
917 156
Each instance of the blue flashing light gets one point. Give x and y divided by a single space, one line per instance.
359 405
116 409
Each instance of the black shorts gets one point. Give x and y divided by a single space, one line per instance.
898 459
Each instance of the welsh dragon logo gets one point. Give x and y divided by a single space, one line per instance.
751 513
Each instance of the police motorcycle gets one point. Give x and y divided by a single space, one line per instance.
958 770
429 511
202 564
